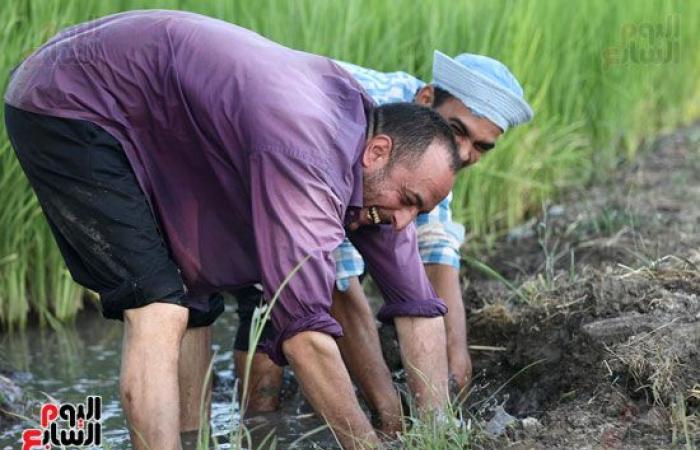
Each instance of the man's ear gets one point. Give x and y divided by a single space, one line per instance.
377 151
425 95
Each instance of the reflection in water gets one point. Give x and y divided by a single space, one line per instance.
14 351
83 359
70 348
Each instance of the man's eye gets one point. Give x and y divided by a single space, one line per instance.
458 128
484 148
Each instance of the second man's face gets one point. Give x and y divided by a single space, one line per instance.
474 135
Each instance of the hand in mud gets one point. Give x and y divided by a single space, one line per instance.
387 425
391 422
459 390
468 372
460 373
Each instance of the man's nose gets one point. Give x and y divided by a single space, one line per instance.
476 156
403 217
467 153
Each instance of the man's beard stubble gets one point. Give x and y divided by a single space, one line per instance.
372 185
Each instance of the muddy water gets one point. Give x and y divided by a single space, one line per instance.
84 359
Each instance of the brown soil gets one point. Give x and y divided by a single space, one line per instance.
602 337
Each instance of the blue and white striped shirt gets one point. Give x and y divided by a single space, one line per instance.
393 87
384 87
436 245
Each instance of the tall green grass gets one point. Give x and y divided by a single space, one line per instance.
589 115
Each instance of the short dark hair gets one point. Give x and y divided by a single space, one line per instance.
413 128
440 96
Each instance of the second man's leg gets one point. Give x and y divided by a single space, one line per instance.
195 381
265 376
265 381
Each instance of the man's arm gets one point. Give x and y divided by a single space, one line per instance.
296 215
439 241
445 280
326 384
424 356
393 261
362 353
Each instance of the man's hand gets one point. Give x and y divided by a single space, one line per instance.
325 382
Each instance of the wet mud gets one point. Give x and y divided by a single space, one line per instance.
600 327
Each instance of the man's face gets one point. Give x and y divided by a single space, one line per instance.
396 194
474 135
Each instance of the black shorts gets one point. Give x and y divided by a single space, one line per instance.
102 222
247 300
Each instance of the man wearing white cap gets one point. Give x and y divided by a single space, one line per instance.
480 99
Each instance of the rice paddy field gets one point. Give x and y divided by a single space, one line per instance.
601 76
582 225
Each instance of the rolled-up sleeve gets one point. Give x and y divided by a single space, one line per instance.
393 260
295 214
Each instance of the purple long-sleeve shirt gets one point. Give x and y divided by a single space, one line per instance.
248 152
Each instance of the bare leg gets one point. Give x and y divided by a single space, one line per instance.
424 357
362 354
265 382
445 281
326 384
148 381
195 357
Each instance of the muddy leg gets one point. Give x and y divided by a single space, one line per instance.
195 357
265 376
362 354
148 381
445 281
265 382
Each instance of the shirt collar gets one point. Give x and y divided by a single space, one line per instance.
356 196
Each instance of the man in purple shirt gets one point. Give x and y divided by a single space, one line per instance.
176 156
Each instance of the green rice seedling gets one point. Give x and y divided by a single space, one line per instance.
594 103
445 429
241 438
439 432
492 273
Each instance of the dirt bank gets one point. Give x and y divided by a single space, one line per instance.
601 323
